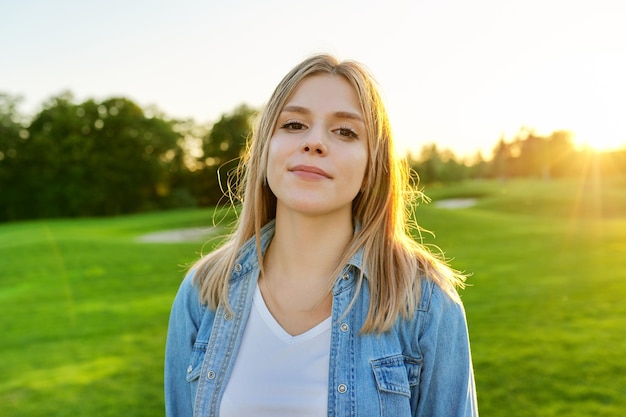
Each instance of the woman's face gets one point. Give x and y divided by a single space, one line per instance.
318 152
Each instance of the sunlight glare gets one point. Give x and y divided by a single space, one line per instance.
600 143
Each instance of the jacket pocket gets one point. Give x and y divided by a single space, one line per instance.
195 362
395 377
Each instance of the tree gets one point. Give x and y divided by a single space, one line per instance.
135 155
560 149
501 159
428 164
12 133
533 155
95 159
477 166
438 165
222 148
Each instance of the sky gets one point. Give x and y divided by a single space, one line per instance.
457 73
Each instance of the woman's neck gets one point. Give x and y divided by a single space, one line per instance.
308 248
298 269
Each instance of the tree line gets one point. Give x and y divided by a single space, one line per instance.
111 157
527 155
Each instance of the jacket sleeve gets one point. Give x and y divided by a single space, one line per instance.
183 327
447 386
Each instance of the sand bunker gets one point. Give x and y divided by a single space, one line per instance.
455 203
178 235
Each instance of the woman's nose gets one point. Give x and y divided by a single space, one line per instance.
314 142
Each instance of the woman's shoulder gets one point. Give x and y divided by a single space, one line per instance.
438 305
188 295
435 314
188 285
436 295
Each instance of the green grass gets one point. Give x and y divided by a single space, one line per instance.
85 305
85 309
545 302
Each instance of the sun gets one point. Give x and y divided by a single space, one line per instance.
601 143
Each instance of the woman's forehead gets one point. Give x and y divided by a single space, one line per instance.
328 92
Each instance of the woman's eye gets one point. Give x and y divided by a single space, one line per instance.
293 126
347 132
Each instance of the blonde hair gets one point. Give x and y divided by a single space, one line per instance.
395 263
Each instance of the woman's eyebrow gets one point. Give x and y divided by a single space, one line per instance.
338 114
348 115
296 109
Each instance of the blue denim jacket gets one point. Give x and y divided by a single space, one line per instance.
421 367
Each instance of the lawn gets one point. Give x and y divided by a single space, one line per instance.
545 302
85 303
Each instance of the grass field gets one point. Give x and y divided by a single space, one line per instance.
85 304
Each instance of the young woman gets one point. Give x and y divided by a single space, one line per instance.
320 303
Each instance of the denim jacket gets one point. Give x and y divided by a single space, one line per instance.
421 367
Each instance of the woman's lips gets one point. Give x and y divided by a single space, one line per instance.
309 171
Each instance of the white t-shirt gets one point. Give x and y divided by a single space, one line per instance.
277 374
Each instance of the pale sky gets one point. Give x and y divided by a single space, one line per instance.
459 73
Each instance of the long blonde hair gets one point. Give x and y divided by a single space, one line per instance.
395 262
